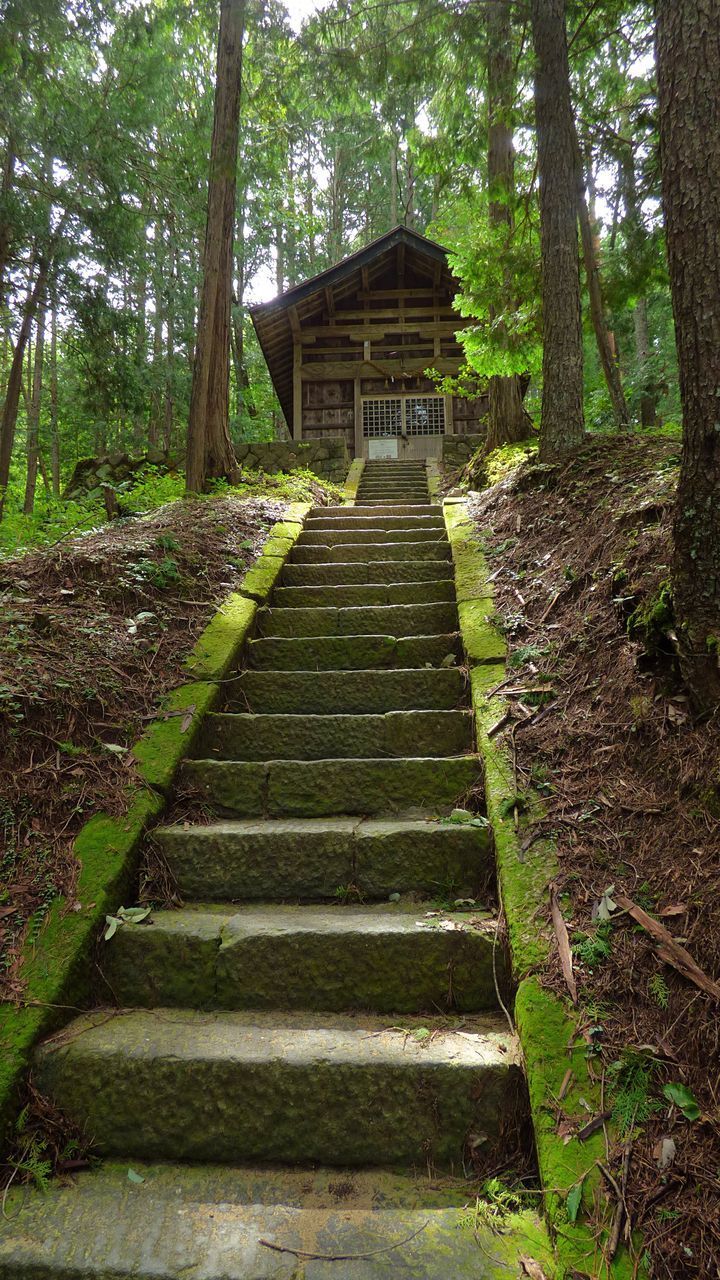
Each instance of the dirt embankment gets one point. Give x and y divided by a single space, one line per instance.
580 557
93 633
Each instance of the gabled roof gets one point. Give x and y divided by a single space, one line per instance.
274 320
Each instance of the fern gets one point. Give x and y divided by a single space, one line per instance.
659 991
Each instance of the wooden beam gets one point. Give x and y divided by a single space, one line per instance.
297 392
294 321
330 304
360 333
331 371
376 294
358 419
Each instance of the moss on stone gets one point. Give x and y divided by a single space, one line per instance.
219 645
56 966
261 578
295 512
352 483
481 640
171 736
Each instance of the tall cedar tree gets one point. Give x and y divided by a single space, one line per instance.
507 419
209 448
688 66
561 420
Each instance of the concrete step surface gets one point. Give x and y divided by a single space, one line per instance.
352 653
234 1086
389 958
359 620
379 571
248 736
208 1222
320 788
329 536
368 551
354 518
347 692
301 859
370 593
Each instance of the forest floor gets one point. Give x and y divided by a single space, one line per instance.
579 555
93 634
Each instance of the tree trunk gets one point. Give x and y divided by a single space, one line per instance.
156 408
597 315
507 419
6 228
562 421
209 447
33 416
8 422
635 237
688 65
648 397
169 412
54 428
394 183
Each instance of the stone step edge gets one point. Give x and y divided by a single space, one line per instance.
57 969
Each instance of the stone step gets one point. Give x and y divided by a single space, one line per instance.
389 958
245 736
311 858
331 537
393 491
346 692
392 510
370 593
351 653
206 1222
378 571
319 788
319 519
368 551
186 1085
403 504
360 620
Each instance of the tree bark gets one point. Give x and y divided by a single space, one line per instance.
6 228
54 425
8 422
562 421
688 65
209 447
507 419
597 315
33 416
635 237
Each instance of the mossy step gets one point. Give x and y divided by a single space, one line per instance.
351 653
400 958
400 492
207 1221
403 504
365 594
328 536
347 692
352 519
318 788
379 571
246 736
186 1085
367 551
360 620
309 858
394 510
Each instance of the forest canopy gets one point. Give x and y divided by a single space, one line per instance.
353 120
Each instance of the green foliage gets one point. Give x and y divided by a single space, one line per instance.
631 1082
592 949
659 991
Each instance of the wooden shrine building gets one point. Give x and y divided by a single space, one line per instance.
347 351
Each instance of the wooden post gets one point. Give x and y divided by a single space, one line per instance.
297 392
358 419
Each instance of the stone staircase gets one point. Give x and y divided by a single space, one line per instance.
311 1004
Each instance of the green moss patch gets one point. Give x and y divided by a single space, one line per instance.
220 643
172 735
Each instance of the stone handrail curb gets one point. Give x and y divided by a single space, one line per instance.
57 966
352 483
548 1028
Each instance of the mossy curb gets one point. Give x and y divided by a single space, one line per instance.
434 479
352 483
547 1027
56 967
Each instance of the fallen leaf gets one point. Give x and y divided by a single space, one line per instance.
187 719
664 1152
677 909
669 950
563 942
573 1201
682 1097
532 1268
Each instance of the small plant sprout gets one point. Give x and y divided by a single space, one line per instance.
125 915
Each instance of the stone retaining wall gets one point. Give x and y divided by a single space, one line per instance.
329 460
456 450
